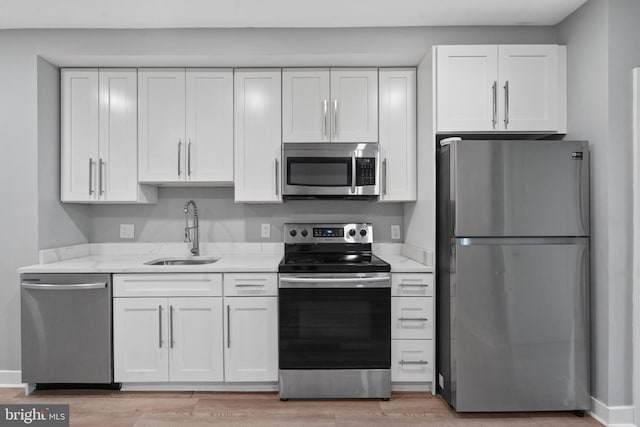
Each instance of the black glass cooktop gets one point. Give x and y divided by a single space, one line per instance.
332 263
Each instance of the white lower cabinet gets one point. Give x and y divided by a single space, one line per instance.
172 338
251 327
251 339
195 338
175 328
139 341
411 360
412 324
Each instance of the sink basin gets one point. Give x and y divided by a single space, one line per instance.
182 261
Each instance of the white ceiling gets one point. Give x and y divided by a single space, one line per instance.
279 13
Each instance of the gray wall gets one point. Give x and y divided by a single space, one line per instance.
21 163
602 50
222 220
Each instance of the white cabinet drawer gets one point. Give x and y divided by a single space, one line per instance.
250 284
411 360
412 284
411 318
167 285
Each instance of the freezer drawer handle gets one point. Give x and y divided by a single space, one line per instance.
413 319
415 285
413 362
249 285
55 287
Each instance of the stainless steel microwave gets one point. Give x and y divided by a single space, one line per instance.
330 170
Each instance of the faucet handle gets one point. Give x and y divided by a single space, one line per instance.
187 238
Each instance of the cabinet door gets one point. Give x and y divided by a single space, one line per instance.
305 105
528 87
79 135
354 105
118 157
140 339
251 339
209 125
161 124
195 339
467 88
397 120
257 136
412 360
411 318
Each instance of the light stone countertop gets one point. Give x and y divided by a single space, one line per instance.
131 258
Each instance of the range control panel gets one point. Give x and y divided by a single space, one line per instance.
328 233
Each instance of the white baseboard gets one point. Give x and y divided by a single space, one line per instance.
612 416
11 379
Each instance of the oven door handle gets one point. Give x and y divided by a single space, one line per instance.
340 282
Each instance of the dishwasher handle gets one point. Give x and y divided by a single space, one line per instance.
58 287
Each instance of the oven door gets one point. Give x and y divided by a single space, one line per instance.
335 321
330 170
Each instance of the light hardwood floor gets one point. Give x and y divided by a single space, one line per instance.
105 408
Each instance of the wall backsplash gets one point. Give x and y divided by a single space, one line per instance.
223 220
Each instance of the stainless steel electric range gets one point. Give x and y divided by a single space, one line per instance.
335 314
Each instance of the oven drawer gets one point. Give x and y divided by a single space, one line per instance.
412 284
250 284
412 360
411 318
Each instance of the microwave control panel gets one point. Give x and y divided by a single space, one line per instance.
366 171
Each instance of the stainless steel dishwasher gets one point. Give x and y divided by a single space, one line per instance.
66 329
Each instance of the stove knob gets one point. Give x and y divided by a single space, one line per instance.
363 232
352 232
304 232
293 233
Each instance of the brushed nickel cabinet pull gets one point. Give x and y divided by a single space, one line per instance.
91 176
494 121
228 326
179 157
160 326
189 157
506 104
171 342
100 176
412 362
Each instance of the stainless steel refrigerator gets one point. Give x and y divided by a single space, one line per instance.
513 275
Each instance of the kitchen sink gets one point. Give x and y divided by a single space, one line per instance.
182 261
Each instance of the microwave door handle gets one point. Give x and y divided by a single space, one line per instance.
353 173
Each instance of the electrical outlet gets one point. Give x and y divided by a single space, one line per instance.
395 232
265 232
127 231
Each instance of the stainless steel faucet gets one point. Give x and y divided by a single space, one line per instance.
195 248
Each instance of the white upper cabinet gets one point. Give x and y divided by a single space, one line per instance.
354 93
511 88
467 79
99 137
306 103
209 126
397 134
257 145
330 105
161 124
185 125
529 80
